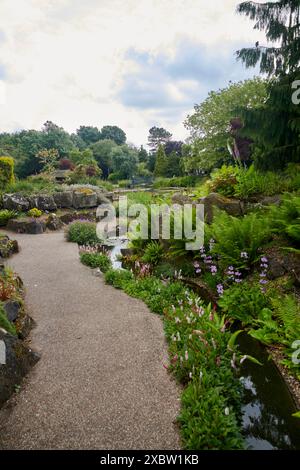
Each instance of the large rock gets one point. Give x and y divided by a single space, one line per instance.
46 203
204 291
63 199
18 361
84 197
27 225
12 308
15 202
179 198
231 206
53 222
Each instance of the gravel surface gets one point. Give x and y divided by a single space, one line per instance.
101 381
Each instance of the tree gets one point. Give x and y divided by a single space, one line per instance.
158 136
113 133
174 146
48 159
102 151
55 137
209 125
124 161
88 134
161 164
143 155
280 21
274 127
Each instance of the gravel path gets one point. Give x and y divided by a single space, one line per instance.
100 383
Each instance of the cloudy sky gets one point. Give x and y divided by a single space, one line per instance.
132 63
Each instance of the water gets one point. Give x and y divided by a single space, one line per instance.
268 405
115 246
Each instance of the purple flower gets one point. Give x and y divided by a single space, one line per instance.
213 270
237 280
220 289
264 259
237 274
263 281
244 255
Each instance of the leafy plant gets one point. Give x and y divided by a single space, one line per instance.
243 302
34 213
153 253
234 235
224 180
96 260
5 216
118 277
5 323
286 218
83 233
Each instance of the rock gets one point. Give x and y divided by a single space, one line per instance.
69 217
179 198
27 225
24 324
64 199
15 202
276 269
204 291
18 361
268 200
231 206
8 247
83 198
46 203
12 308
53 222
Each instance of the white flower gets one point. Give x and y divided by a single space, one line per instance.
186 355
226 411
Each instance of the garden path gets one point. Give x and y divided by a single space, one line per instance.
101 381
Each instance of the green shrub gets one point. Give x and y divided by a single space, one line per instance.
251 182
154 253
285 219
83 233
34 212
96 260
5 323
5 216
234 235
118 277
224 180
243 302
7 176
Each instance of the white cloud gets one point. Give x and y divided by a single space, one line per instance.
65 60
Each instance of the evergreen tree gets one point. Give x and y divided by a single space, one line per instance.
280 21
158 136
161 163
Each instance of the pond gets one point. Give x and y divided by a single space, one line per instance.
268 423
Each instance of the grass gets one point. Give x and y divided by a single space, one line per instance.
5 323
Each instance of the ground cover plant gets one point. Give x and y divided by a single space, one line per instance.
93 258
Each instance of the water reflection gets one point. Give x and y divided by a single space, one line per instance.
268 405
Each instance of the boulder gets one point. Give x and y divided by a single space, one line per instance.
46 203
63 199
53 222
231 206
12 308
15 202
27 225
179 198
16 361
83 198
204 291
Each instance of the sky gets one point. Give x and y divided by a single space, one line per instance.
130 63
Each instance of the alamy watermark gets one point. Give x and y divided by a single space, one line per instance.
296 94
155 222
